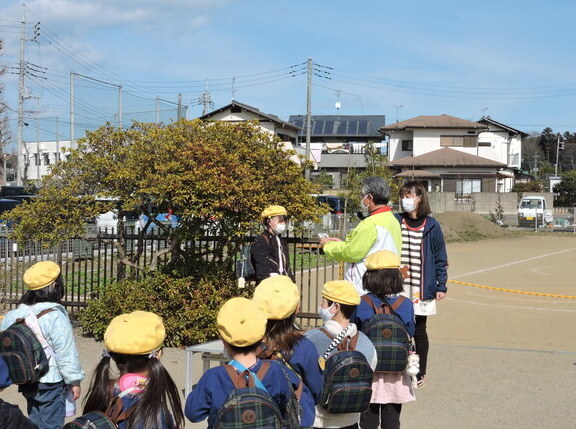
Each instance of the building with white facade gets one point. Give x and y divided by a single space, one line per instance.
456 155
39 157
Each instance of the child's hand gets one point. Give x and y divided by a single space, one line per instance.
75 391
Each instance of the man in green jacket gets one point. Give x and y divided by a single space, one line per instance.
379 231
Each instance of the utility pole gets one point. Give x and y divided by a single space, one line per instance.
20 156
71 110
535 163
308 114
557 154
179 112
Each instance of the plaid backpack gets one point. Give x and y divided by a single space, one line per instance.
293 411
247 406
388 333
102 420
347 378
23 351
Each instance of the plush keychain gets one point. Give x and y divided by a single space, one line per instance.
413 368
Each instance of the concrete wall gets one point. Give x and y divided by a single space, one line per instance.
481 202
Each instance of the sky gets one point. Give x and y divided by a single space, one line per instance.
511 60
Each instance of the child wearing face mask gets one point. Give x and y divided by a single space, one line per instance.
269 252
339 302
424 253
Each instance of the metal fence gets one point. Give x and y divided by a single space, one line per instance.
90 263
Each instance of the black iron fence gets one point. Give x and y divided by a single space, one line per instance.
90 263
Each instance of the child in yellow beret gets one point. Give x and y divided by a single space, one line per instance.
149 396
241 325
279 298
46 399
384 283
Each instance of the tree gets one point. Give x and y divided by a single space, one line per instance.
324 180
376 165
214 174
566 189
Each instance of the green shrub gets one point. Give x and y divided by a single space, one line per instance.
187 306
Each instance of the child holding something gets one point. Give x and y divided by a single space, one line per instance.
41 304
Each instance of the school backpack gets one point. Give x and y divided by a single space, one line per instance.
248 406
24 351
347 377
293 411
388 333
244 267
109 419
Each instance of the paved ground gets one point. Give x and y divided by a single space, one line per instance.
497 359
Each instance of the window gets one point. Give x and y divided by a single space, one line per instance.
458 141
46 157
467 186
407 145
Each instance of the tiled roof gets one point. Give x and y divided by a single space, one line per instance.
445 157
489 120
341 125
441 121
417 174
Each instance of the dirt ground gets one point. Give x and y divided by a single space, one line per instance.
466 225
497 359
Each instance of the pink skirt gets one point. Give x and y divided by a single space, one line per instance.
393 388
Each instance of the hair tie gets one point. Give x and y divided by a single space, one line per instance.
153 354
106 353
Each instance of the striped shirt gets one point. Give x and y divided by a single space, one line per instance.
411 256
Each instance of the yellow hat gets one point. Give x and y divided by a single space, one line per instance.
382 260
277 296
341 291
137 333
41 274
241 322
273 211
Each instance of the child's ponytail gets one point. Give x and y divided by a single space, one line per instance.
99 392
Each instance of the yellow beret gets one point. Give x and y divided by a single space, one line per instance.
341 291
241 322
136 333
41 274
277 296
273 211
382 260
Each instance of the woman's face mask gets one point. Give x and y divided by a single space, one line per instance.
409 204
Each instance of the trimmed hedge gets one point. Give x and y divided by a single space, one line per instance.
187 306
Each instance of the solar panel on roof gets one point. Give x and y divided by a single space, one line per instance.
362 127
318 127
329 127
352 127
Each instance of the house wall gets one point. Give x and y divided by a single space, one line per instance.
428 140
265 124
44 148
482 202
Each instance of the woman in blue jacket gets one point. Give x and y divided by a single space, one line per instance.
424 252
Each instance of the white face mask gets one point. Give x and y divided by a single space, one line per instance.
325 314
409 204
363 208
280 228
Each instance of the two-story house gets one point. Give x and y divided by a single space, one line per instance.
456 155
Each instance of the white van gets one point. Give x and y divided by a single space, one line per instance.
532 212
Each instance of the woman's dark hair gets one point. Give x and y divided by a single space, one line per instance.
151 411
282 335
384 282
423 208
244 350
52 293
266 221
346 309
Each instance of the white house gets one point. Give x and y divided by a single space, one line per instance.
456 155
39 157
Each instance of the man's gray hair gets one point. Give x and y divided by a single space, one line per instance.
378 188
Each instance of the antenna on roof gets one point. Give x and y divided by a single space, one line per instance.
397 106
484 111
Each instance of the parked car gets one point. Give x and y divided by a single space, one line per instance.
337 204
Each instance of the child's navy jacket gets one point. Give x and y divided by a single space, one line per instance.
214 387
364 312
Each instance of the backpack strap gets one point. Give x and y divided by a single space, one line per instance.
239 380
31 320
370 302
398 302
351 342
115 410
